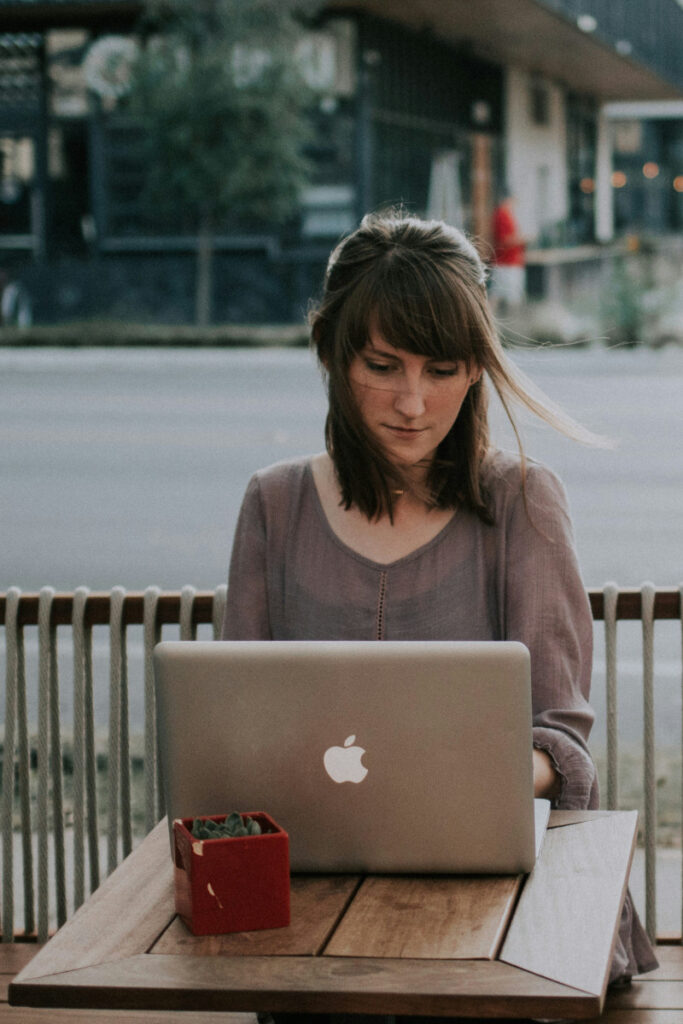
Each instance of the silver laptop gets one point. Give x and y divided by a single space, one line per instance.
374 756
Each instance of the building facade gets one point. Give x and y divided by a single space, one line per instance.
433 106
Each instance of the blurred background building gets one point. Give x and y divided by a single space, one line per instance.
576 106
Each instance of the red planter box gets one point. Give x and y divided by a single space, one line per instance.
235 884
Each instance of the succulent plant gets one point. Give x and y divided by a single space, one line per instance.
234 825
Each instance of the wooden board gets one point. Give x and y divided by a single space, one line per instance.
461 918
123 917
670 965
652 995
478 988
641 1017
565 924
26 1015
317 903
15 955
29 1015
559 819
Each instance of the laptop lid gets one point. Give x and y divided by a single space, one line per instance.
374 756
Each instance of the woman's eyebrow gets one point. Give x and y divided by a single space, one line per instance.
381 351
372 349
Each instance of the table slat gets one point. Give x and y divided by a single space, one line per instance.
461 918
312 985
317 903
565 924
560 819
123 917
28 1015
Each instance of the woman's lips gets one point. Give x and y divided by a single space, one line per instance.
406 432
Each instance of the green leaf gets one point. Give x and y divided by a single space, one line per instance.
233 823
232 827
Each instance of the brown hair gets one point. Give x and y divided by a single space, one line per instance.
422 285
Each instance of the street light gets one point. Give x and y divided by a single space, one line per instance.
587 23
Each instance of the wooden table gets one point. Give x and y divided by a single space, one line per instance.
538 946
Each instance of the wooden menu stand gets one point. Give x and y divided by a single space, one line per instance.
539 946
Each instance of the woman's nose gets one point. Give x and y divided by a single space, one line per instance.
409 399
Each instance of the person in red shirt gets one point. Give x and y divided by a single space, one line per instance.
507 272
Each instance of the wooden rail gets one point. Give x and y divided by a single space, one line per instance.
629 606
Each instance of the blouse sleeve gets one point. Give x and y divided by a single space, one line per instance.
546 608
246 612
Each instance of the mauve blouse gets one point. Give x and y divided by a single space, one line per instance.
292 578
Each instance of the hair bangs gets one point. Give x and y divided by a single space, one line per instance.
418 309
420 316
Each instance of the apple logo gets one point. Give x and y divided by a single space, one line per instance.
343 764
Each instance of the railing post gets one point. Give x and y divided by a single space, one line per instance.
611 592
25 780
680 594
649 772
11 688
91 762
78 631
47 690
84 766
16 710
119 748
220 597
152 635
188 628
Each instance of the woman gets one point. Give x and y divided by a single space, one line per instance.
411 525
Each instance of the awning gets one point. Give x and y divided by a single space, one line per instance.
530 35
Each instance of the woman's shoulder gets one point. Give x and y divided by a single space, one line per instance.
281 480
286 469
507 478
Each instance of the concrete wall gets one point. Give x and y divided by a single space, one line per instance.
536 154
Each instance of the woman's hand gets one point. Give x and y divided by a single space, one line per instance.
546 779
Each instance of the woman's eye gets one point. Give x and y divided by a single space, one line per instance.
377 367
445 371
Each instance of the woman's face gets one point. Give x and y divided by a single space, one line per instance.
407 402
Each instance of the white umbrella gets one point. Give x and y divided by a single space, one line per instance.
444 201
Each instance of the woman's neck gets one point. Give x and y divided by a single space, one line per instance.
412 525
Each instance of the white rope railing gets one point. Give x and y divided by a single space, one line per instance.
43 781
649 769
49 768
81 642
16 712
188 628
680 599
47 780
610 595
154 802
8 763
117 695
